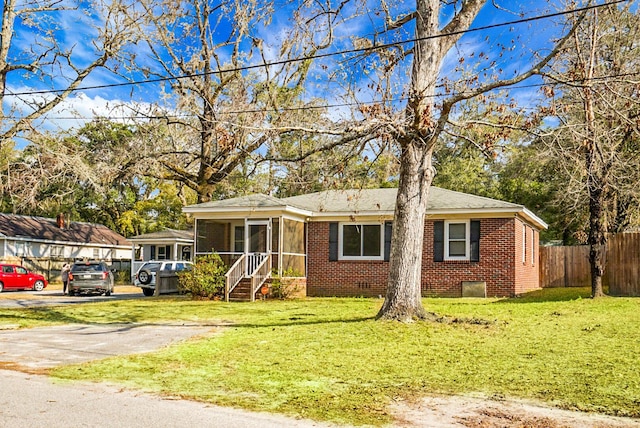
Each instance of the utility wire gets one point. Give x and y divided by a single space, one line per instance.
323 55
326 106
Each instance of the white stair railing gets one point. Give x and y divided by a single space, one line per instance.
260 275
233 277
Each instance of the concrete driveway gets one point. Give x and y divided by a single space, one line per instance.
45 347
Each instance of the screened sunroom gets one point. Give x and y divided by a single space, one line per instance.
254 235
282 238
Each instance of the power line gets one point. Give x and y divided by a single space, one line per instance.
328 106
323 55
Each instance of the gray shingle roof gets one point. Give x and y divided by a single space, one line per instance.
165 234
369 201
384 200
251 201
354 200
46 229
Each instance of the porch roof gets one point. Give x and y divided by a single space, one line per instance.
167 235
252 203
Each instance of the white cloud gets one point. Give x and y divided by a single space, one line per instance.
76 110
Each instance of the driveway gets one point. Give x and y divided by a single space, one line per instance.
46 347
52 295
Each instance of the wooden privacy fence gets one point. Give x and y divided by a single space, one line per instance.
622 273
565 266
569 266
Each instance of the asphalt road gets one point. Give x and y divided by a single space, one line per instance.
32 401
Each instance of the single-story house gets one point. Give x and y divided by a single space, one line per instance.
44 244
168 244
339 241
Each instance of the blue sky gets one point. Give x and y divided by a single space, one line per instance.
76 31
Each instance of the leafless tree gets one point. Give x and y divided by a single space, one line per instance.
595 93
227 95
427 116
414 41
32 49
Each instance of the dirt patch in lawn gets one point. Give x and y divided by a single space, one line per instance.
470 412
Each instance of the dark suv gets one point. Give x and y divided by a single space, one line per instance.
90 277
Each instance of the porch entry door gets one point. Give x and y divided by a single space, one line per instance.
258 239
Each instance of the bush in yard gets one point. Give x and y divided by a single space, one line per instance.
206 279
123 277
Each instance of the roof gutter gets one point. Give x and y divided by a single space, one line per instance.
522 211
227 210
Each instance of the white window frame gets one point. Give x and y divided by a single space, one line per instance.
524 244
57 251
533 247
96 253
164 252
467 239
234 241
20 248
341 241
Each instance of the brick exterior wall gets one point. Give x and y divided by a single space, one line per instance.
340 278
501 265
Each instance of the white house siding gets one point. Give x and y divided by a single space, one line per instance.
61 250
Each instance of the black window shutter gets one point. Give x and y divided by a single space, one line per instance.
333 242
387 240
438 241
168 252
153 252
475 240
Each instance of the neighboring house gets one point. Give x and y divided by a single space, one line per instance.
45 243
340 240
168 244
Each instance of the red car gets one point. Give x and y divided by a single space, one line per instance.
14 277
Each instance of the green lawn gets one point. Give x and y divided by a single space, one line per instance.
328 359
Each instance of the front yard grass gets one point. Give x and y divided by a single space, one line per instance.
328 359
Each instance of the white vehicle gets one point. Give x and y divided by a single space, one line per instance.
146 276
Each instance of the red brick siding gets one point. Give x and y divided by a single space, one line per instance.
500 265
340 278
495 266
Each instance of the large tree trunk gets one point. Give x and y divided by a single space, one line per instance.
403 300
597 180
597 233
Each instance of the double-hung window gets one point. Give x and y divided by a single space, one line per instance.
524 244
456 240
361 241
